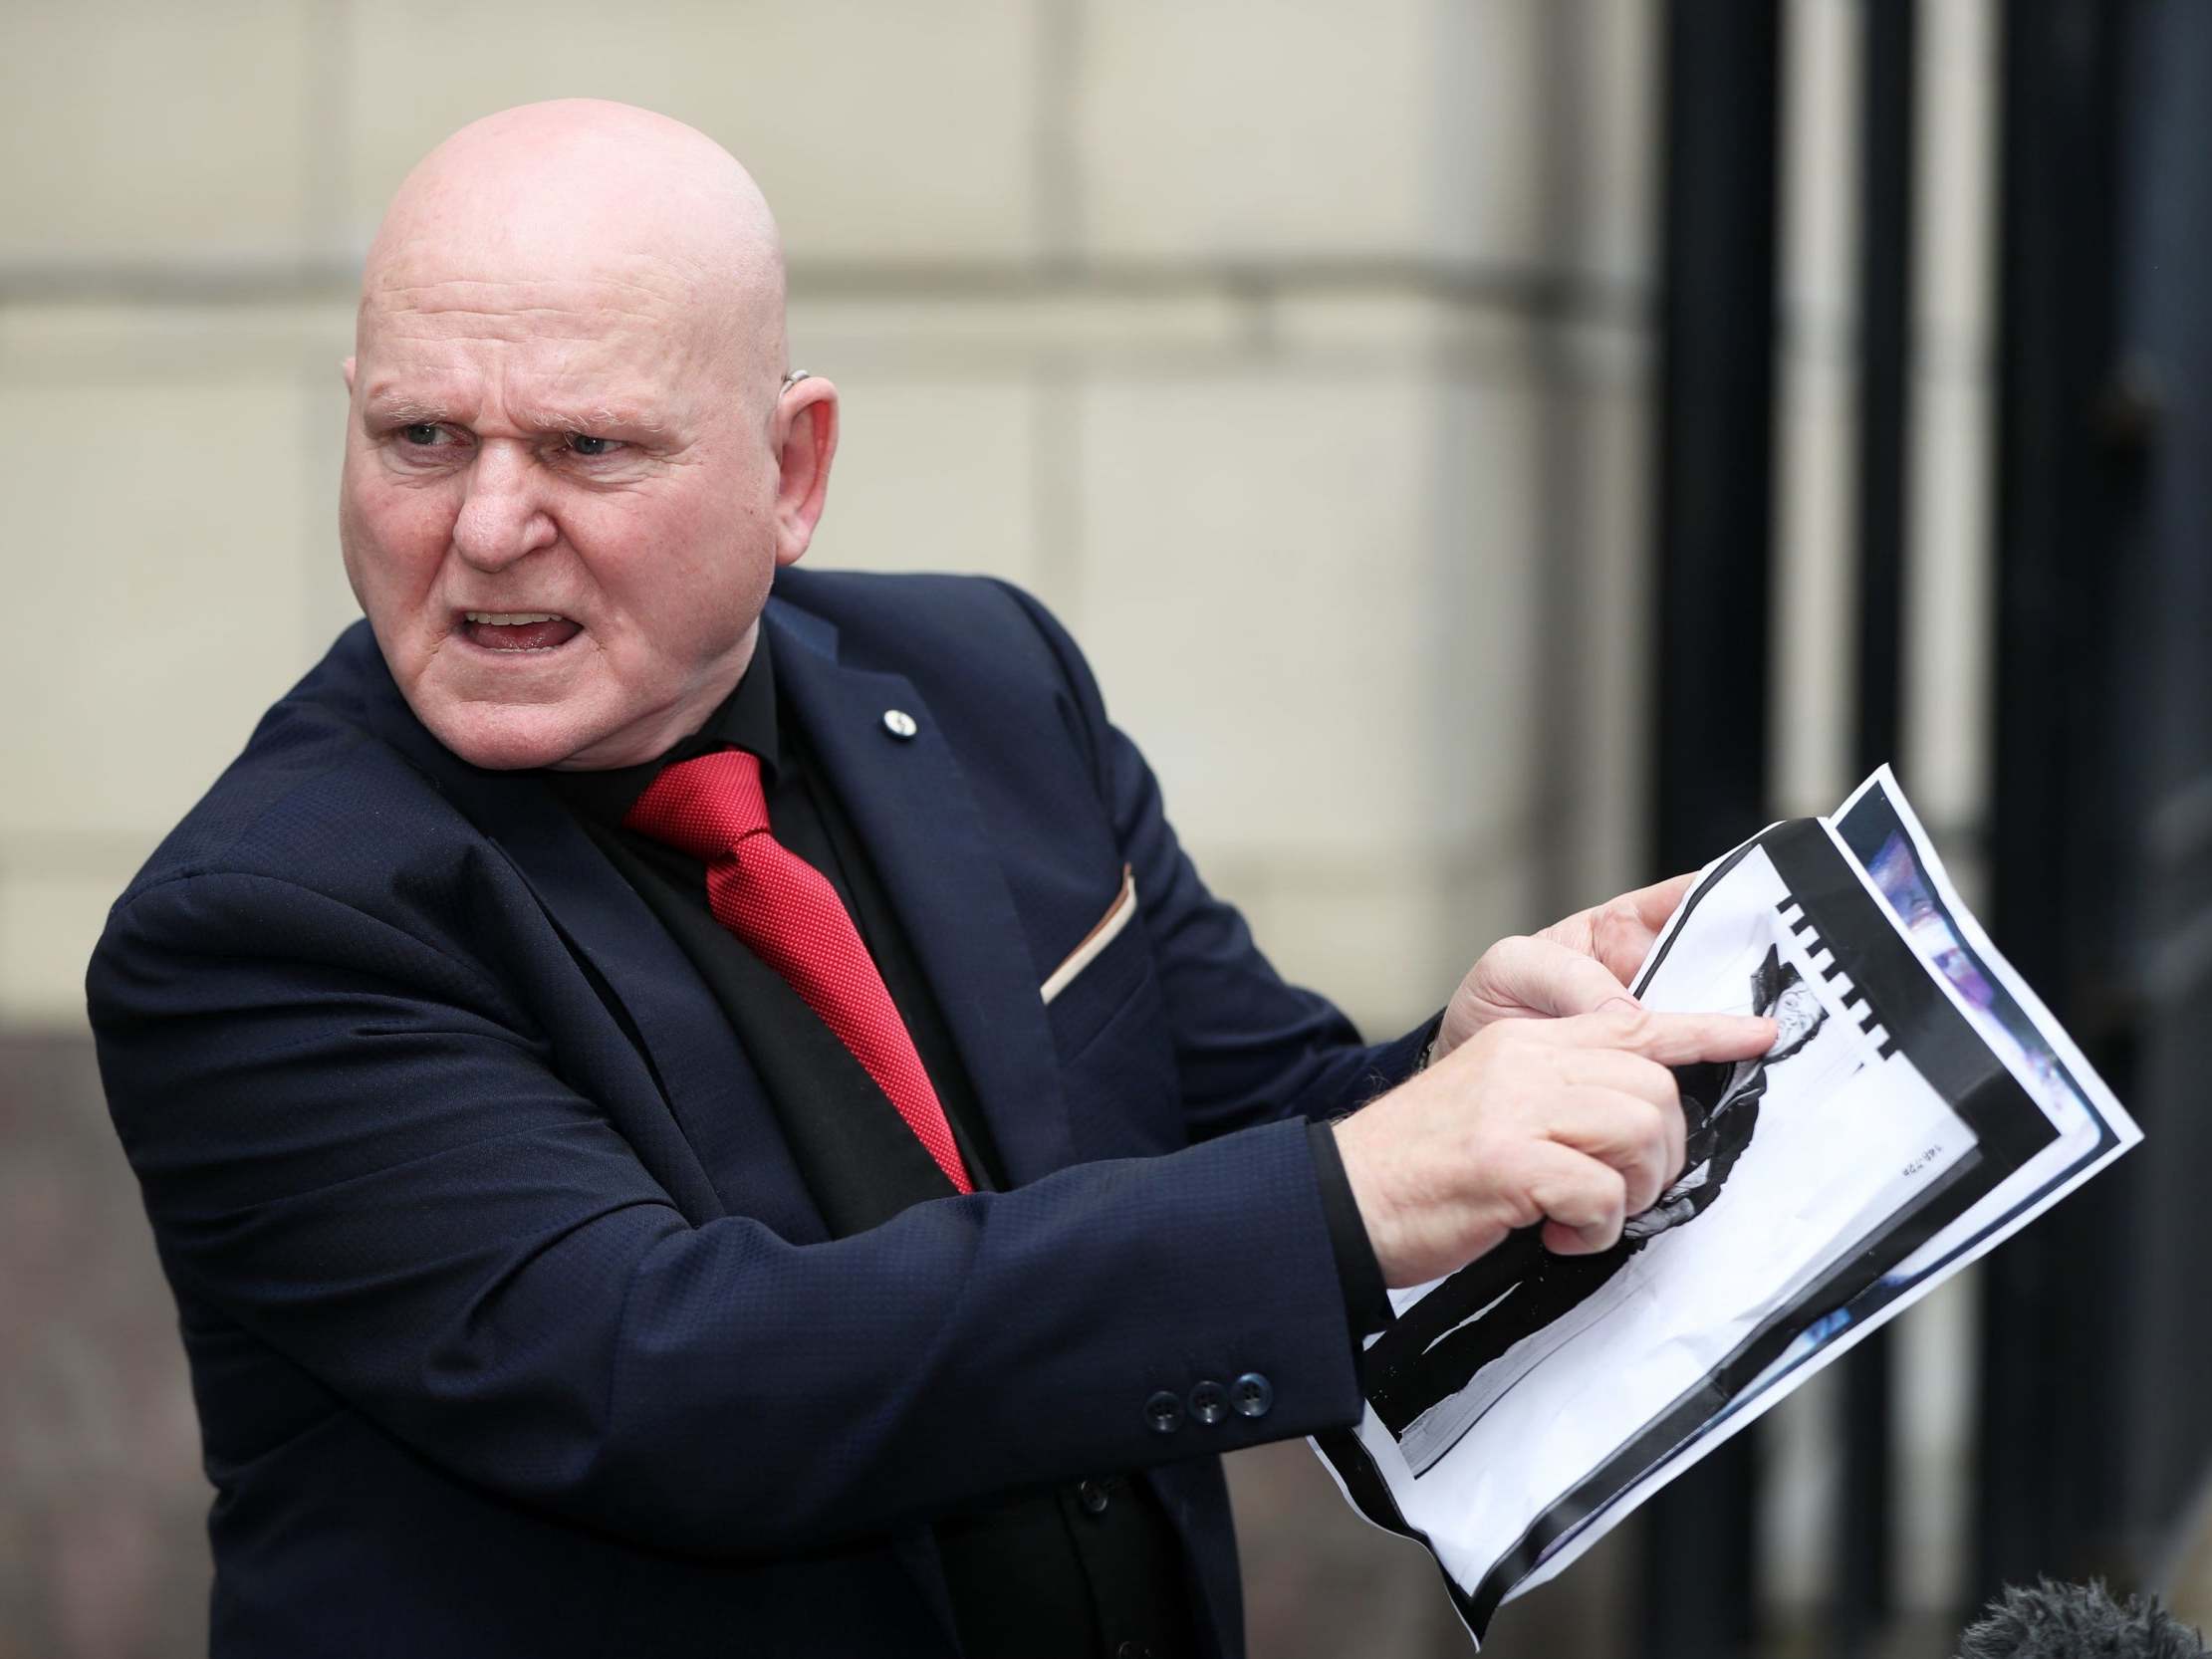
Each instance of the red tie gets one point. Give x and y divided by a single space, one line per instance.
712 807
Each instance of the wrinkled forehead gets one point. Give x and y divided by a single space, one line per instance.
618 327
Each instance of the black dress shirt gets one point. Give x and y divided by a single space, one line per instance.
1089 1567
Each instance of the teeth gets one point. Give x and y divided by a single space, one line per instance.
510 619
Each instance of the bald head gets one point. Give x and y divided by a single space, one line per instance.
572 464
581 190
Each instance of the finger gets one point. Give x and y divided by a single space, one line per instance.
1645 1080
1669 1038
1653 904
1580 1201
1548 978
1618 1068
1627 1132
1622 933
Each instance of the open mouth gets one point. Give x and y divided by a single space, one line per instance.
518 630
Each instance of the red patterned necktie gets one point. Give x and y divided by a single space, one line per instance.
712 807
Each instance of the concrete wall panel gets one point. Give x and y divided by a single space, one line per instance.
144 131
1275 569
935 476
1250 128
161 601
878 131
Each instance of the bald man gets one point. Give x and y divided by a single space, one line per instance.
691 1106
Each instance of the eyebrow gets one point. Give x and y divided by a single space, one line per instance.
405 410
598 417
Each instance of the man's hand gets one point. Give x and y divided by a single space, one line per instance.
1572 1122
1576 966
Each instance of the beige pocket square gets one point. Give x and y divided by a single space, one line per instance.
1116 918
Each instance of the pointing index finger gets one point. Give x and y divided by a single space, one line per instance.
1671 1038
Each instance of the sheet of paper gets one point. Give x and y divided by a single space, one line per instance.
1917 1105
1878 826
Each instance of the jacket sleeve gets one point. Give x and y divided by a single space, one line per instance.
356 1150
1249 1048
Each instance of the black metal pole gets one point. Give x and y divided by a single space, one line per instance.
1885 197
2047 1431
1715 502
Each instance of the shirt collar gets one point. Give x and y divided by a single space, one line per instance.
745 719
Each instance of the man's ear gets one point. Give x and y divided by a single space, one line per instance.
806 428
346 368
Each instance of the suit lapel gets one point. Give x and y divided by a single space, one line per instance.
703 1072
912 809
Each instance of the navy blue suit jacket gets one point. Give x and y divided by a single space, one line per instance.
512 1326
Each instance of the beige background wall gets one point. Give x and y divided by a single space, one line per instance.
1247 336
1296 353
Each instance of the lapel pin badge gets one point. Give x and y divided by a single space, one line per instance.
899 724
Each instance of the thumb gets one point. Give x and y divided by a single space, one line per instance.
1545 977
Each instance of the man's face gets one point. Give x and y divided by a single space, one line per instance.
557 509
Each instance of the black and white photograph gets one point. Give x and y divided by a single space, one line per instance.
1878 826
2091 1128
1433 1373
1521 1407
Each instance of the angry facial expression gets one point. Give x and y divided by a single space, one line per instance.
559 508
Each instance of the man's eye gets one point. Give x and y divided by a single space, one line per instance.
421 434
582 443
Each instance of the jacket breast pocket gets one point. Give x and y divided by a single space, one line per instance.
1099 974
1110 1029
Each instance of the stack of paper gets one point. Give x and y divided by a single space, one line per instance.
1919 1105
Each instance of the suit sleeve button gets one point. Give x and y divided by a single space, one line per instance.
1252 1395
1210 1402
1163 1412
1091 1496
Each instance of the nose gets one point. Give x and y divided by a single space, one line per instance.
504 517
